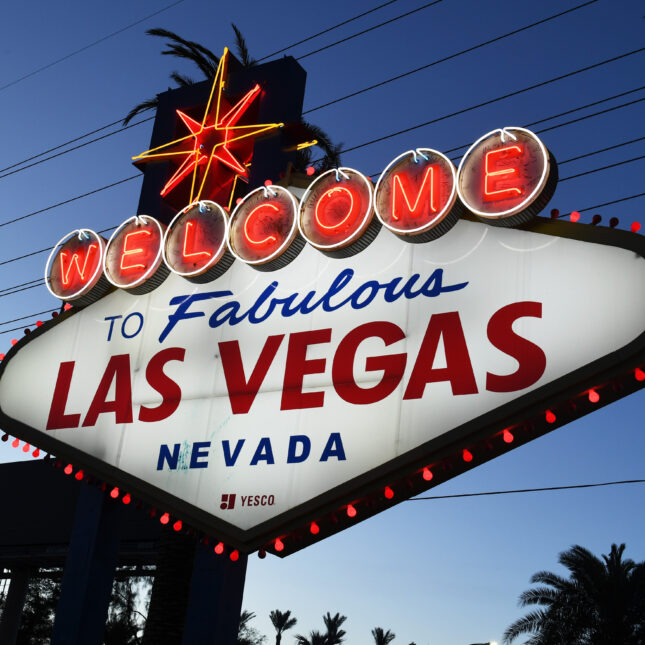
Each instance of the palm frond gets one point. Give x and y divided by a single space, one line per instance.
142 107
241 48
181 79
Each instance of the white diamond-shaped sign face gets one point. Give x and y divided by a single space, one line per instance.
265 405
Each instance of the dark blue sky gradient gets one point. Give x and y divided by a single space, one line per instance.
445 572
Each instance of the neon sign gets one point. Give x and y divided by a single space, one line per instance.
508 175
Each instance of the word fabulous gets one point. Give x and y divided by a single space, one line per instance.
506 177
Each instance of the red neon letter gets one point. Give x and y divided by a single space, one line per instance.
492 176
118 369
66 264
531 358
191 228
137 251
335 197
57 417
269 238
293 398
458 370
241 393
392 365
169 390
429 189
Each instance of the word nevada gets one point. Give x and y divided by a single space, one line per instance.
505 178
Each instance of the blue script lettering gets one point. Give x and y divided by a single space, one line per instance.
266 304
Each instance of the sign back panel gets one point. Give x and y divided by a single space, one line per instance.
253 405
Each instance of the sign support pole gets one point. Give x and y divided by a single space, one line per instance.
89 571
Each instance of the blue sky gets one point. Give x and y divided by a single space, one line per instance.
445 572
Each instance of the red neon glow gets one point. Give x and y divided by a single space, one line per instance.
639 374
15 443
67 264
491 176
177 526
594 397
636 226
69 469
351 511
165 518
279 545
314 528
114 493
335 198
427 474
219 548
508 436
402 183
126 498
191 232
133 251
79 475
550 417
36 453
467 455
235 555
267 241
575 216
388 492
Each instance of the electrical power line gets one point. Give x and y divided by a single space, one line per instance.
590 172
374 27
326 31
527 490
36 313
595 152
450 57
86 47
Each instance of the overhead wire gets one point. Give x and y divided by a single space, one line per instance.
90 45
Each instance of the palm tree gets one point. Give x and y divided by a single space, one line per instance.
381 637
247 635
602 602
281 621
315 638
207 63
335 635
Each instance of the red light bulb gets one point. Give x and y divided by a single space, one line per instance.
14 341
79 475
467 455
165 518
636 226
235 555
351 511
389 493
126 498
15 443
427 474
639 374
36 453
575 216
314 528
67 306
508 436
5 437
177 526
39 323
310 170
594 397
279 545
114 493
26 448
219 548
1 357
262 554
68 469
550 417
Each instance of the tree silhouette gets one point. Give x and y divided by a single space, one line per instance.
207 62
247 635
602 602
382 638
282 621
335 635
315 638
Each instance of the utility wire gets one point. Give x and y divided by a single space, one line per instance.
527 490
325 31
15 286
450 57
37 313
381 24
386 81
590 172
595 152
81 145
86 47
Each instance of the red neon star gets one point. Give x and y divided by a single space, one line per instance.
217 150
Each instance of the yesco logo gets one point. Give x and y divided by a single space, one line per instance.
228 500
506 177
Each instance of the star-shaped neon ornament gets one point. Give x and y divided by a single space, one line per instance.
218 150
